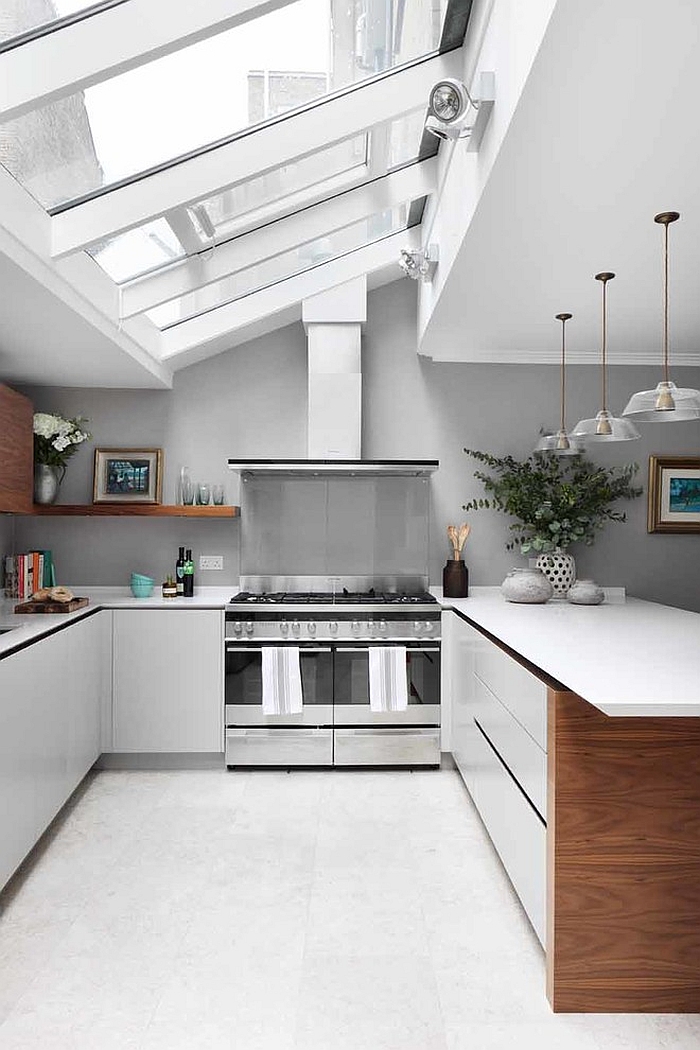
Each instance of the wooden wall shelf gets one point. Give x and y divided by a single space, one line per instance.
136 510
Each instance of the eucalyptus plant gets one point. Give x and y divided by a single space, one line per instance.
556 501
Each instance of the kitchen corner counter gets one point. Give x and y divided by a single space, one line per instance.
634 658
30 628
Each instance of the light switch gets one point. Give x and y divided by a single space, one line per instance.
210 561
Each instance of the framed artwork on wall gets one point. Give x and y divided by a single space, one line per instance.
674 494
128 475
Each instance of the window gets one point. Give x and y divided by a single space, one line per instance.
202 94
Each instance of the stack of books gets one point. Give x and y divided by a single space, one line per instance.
27 573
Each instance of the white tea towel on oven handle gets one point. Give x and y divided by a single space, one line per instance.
388 683
281 680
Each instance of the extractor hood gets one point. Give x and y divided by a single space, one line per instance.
330 468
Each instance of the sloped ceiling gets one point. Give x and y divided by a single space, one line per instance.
44 342
605 135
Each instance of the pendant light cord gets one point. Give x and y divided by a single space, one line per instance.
563 377
603 382
665 302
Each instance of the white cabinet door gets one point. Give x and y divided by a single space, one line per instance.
167 680
461 648
51 697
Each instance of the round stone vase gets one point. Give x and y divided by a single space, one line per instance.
586 592
560 569
47 480
527 586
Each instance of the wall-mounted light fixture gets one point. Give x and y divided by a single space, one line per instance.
419 264
454 114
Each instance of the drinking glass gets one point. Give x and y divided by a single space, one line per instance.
217 495
187 492
203 494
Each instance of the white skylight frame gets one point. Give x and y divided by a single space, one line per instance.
387 96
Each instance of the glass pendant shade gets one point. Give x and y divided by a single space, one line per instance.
667 403
605 426
561 443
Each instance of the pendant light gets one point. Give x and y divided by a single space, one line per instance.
605 427
667 403
561 443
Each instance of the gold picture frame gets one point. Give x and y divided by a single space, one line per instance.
128 475
674 494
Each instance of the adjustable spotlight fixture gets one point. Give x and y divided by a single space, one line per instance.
454 114
419 264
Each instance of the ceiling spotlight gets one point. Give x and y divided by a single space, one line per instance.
419 264
454 114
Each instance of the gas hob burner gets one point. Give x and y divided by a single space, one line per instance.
344 597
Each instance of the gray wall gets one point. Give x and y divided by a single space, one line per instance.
416 407
249 402
252 402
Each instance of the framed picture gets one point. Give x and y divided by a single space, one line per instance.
674 494
127 475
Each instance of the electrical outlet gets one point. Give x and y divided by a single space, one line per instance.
211 561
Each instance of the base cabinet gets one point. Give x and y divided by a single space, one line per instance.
498 720
167 680
49 730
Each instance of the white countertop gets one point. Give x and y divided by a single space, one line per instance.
29 628
631 658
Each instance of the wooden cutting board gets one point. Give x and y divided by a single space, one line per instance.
52 607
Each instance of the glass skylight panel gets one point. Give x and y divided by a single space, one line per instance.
280 267
23 16
203 94
138 251
229 208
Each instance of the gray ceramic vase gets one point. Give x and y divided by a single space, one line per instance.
527 586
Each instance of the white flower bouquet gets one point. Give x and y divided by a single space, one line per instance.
56 439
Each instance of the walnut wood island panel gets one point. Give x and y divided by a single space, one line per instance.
591 796
623 861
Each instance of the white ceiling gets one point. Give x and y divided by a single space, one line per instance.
605 135
46 343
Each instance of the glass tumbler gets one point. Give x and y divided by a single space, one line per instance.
203 494
217 495
187 492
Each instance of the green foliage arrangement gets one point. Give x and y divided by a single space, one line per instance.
555 500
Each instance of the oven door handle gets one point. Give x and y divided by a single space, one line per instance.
259 648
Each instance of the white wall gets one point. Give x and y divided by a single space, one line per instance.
251 401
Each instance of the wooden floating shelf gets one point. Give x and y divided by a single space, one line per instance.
134 510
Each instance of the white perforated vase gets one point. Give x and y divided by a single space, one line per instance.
560 569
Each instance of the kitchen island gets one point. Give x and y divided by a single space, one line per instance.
602 704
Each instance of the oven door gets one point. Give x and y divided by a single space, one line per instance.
351 688
243 687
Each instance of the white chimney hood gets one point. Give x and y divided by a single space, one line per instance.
333 321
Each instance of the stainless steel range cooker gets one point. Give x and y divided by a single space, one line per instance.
335 622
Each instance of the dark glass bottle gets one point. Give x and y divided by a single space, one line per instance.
180 572
188 575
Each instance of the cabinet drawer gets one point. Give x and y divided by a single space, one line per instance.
515 829
279 747
387 747
525 758
521 692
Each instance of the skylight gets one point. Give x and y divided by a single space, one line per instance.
192 99
26 17
338 242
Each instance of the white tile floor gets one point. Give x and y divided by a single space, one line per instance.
272 911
